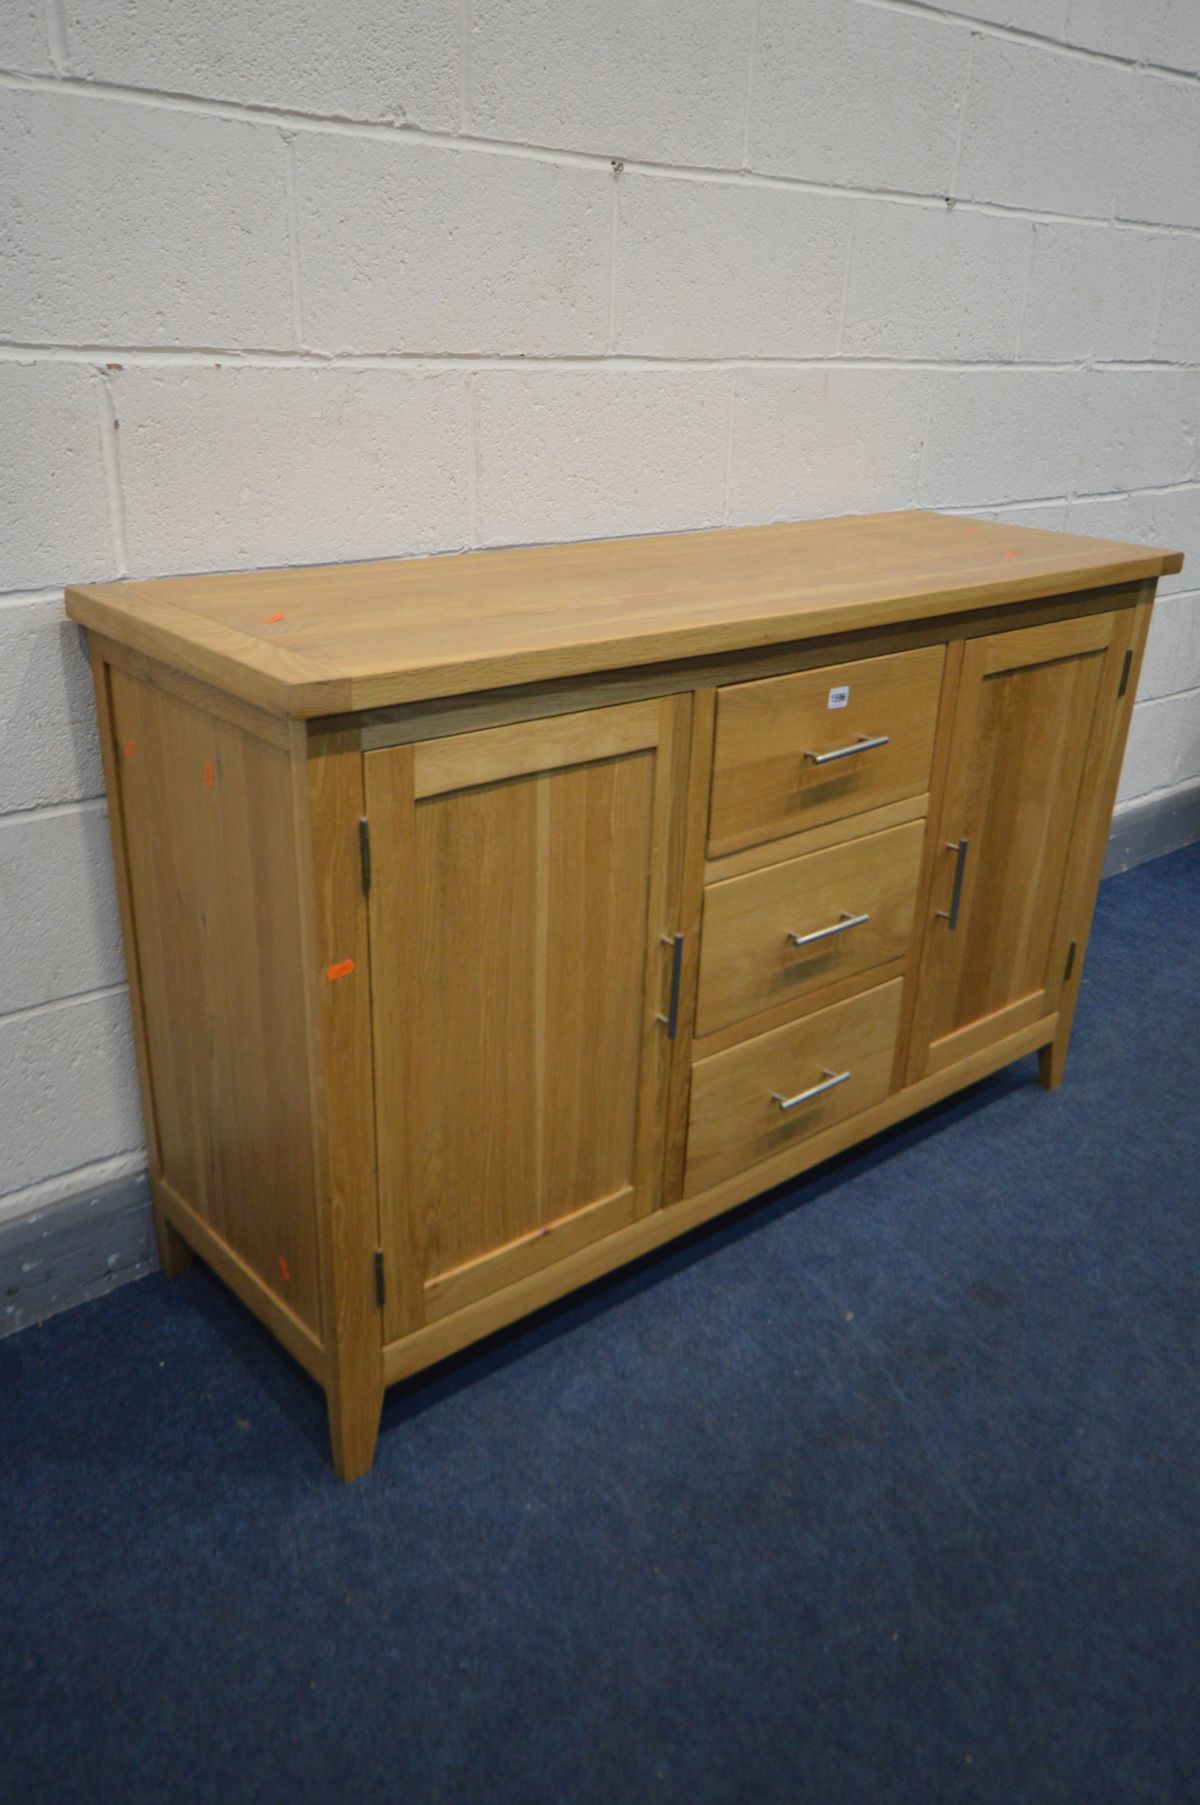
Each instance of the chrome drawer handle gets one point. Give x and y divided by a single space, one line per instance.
831 1081
950 915
864 743
670 1020
841 926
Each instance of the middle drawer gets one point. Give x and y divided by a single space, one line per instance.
793 928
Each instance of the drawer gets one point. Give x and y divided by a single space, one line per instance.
792 752
757 1098
850 907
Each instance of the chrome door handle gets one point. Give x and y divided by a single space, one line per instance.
671 1018
950 915
831 1081
841 926
864 743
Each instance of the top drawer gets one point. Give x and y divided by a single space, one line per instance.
793 752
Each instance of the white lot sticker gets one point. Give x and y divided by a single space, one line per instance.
839 697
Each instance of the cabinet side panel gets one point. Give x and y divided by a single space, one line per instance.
1093 827
210 845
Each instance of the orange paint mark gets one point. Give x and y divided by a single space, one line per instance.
1010 554
341 970
271 617
286 1271
208 773
130 748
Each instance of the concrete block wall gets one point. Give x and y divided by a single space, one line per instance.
296 282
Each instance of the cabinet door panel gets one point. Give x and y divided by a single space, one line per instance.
1024 760
519 968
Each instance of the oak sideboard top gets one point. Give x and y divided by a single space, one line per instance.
334 639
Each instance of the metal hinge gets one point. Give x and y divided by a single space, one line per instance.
364 852
1071 951
380 1293
1125 670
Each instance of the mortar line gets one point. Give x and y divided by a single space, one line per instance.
101 993
928 9
1089 365
1171 695
746 114
989 507
1023 310
1161 702
55 22
466 26
962 115
926 418
387 131
1130 364
1161 300
233 357
615 230
53 811
19 598
851 236
472 399
110 450
729 448
293 235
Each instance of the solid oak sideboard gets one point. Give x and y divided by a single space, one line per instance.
492 919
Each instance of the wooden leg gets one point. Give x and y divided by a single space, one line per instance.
354 1429
174 1254
1052 1058
1052 1062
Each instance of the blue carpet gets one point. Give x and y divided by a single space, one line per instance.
883 1490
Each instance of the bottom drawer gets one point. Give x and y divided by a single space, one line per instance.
754 1099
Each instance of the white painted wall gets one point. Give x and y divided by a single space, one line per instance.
300 281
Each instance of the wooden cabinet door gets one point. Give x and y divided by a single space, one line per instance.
1028 754
523 906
